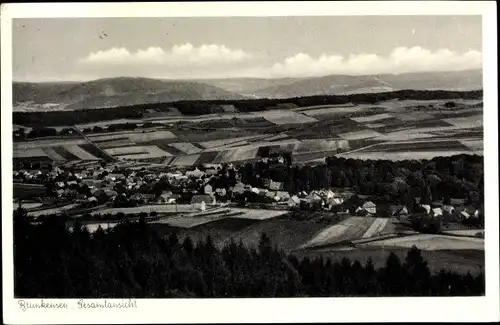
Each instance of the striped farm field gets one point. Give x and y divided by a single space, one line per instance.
349 229
239 155
153 150
80 153
150 136
413 116
224 142
53 154
160 208
28 205
321 145
186 160
376 227
60 209
257 214
374 125
322 110
47 143
206 157
431 242
32 152
62 151
371 118
285 117
313 156
93 150
115 143
185 147
101 137
276 137
356 135
473 144
466 122
190 221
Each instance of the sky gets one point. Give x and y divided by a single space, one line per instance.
75 49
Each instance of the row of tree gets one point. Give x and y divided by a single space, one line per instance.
134 260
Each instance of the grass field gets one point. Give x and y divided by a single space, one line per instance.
365 134
185 147
324 110
371 118
80 153
431 242
137 152
257 214
160 208
187 160
351 229
57 210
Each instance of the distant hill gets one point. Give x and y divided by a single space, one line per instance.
111 92
248 86
344 84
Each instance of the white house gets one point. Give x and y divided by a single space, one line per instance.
426 207
207 189
369 207
437 212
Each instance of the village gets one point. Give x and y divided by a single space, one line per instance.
98 192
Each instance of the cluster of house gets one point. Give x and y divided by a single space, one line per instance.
93 181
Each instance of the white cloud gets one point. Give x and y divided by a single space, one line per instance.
218 61
402 59
184 54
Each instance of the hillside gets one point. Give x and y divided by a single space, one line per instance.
248 86
344 84
111 93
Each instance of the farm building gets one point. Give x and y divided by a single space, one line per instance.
166 198
398 211
448 209
437 212
426 207
208 189
295 199
369 207
465 215
200 201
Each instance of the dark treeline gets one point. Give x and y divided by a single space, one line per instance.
441 178
133 260
207 107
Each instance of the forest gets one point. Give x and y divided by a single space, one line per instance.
441 178
70 117
133 261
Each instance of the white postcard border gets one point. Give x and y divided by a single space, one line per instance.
265 310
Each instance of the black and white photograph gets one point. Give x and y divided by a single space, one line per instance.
248 156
